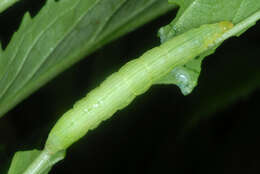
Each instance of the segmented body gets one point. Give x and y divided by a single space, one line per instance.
133 79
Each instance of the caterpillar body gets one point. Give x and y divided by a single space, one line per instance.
133 79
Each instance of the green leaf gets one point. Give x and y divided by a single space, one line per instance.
22 160
194 13
186 76
61 34
4 4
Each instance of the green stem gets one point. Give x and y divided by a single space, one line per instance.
4 4
40 164
44 162
240 27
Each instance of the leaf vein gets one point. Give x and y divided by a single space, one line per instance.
20 67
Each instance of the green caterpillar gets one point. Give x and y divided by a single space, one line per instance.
133 79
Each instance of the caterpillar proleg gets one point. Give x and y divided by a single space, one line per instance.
133 79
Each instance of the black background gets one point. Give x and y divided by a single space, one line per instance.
213 130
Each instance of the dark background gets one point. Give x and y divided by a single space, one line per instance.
213 130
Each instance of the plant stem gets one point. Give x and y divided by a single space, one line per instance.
240 27
44 162
40 164
4 4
